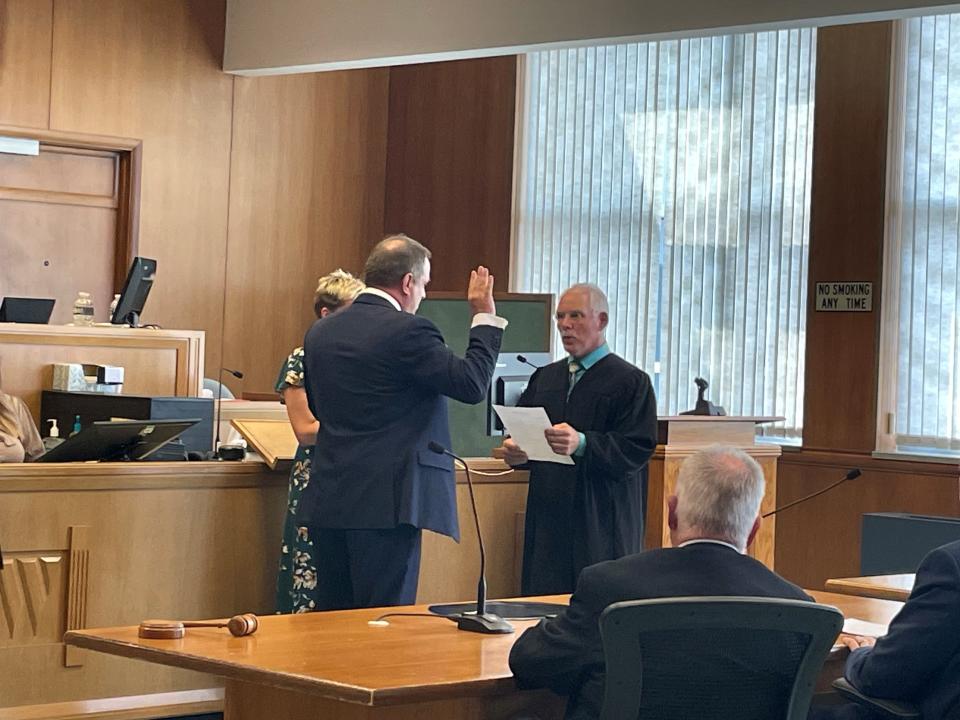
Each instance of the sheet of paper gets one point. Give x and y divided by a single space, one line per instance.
853 626
526 426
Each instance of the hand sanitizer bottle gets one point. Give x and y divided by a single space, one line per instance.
53 439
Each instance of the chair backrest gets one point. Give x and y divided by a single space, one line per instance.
738 658
214 387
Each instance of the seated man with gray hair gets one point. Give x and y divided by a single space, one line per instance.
713 518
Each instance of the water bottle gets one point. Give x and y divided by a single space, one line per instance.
83 309
113 307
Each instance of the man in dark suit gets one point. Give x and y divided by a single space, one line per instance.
713 518
918 660
377 378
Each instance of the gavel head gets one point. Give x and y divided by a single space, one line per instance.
241 625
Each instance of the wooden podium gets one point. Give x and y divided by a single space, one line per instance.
679 437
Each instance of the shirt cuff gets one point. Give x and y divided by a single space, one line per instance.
581 448
489 319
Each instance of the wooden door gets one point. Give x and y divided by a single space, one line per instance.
58 226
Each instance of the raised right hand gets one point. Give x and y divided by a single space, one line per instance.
480 292
512 453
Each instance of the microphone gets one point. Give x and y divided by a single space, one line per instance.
522 359
851 475
215 455
482 622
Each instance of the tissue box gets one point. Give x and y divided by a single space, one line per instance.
77 377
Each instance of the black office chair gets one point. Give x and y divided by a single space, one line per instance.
886 709
737 658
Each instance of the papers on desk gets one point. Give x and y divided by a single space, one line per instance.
526 426
853 626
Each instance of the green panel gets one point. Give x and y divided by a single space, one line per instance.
529 331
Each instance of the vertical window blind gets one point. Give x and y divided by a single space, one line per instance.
925 232
676 176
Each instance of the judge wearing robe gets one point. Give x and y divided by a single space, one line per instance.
604 416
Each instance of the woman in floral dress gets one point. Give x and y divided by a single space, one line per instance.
297 581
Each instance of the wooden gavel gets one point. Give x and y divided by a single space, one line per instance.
238 625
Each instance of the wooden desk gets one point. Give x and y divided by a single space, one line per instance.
882 587
333 665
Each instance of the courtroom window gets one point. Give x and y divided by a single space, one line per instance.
676 176
919 400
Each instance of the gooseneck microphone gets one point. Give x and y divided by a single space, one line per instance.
216 442
482 622
851 475
522 359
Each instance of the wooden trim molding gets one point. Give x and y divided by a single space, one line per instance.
78 565
864 461
126 196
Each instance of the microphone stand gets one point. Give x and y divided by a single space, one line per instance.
482 621
851 475
215 454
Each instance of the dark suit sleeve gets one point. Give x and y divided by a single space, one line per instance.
432 364
922 638
632 437
557 652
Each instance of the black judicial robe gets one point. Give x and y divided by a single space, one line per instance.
581 514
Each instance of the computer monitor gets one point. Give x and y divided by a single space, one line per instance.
510 378
26 310
135 290
117 440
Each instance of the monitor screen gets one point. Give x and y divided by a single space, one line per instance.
117 440
510 378
26 310
135 290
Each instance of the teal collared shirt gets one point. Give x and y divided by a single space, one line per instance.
587 362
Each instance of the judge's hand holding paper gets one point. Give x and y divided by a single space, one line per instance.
533 437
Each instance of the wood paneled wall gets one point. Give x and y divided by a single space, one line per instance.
26 27
846 233
820 539
150 70
306 197
450 164
254 187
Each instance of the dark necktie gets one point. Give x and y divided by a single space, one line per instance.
576 371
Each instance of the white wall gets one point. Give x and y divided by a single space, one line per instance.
283 36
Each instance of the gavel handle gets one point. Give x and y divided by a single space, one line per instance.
194 623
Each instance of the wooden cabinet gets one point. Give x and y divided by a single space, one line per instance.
155 362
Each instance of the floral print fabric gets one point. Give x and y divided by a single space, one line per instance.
297 579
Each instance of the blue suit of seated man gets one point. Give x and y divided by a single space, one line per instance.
918 660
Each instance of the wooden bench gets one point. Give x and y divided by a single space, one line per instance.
130 707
